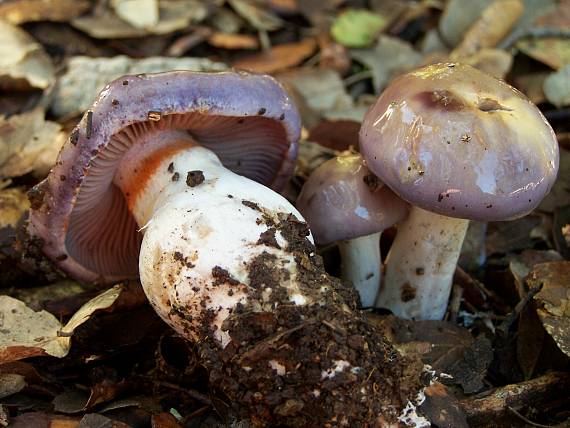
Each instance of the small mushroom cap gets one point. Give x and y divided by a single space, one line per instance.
455 141
82 218
342 199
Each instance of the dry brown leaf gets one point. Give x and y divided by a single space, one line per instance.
495 22
11 383
557 87
390 57
21 11
554 300
233 41
138 13
86 77
495 62
322 90
29 143
13 204
174 15
25 333
278 58
457 17
552 51
23 62
258 17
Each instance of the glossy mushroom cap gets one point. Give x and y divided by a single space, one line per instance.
82 217
342 199
455 141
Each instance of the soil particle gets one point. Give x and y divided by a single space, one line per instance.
372 182
222 276
326 335
408 292
194 178
268 238
36 195
251 205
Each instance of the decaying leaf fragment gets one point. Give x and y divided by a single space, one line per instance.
138 13
25 333
23 62
278 58
21 11
553 300
29 143
85 77
173 15
557 87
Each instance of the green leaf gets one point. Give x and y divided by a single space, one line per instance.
357 28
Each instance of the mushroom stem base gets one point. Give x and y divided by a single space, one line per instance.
421 264
361 266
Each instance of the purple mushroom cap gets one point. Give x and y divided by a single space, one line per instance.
82 218
455 141
342 199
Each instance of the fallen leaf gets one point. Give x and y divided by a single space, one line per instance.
509 236
86 77
173 15
257 16
322 90
473 254
278 57
13 204
457 17
391 56
521 265
23 62
552 51
471 369
233 41
495 22
29 143
25 333
553 300
311 156
442 408
557 87
441 343
11 383
495 62
357 28
22 11
138 13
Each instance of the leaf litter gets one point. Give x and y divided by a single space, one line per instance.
501 354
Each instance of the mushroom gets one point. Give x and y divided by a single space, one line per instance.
177 163
343 201
456 144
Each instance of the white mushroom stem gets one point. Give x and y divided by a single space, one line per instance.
361 265
199 240
420 265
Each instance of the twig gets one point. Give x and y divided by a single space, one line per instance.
536 392
455 302
540 32
192 393
528 421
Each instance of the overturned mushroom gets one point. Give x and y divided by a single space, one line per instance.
457 144
343 201
175 160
